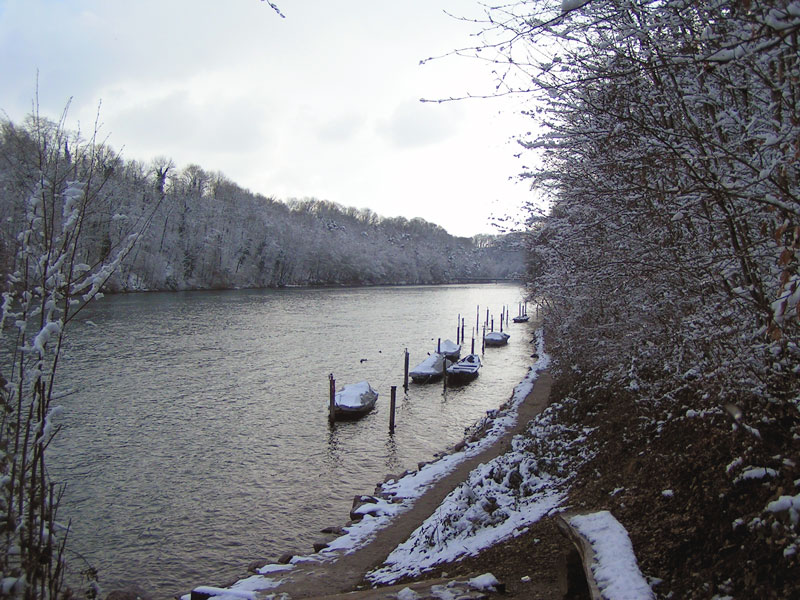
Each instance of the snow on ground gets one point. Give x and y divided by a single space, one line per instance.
614 567
499 499
398 496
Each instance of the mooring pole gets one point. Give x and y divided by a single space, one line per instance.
458 329
483 343
392 405
332 405
444 373
462 330
405 376
492 329
478 319
487 317
439 346
473 343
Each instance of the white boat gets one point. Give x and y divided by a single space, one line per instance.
465 369
450 349
430 369
354 401
496 338
521 319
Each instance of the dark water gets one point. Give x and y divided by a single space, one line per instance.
198 439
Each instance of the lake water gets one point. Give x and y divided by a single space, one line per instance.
198 440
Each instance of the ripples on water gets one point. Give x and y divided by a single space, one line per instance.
199 438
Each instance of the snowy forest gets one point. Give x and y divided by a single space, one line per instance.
197 229
667 137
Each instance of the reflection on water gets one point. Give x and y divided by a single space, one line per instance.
199 439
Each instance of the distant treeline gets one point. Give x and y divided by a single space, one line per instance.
199 230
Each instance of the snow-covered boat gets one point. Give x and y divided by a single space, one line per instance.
354 401
522 317
465 369
496 338
450 349
430 369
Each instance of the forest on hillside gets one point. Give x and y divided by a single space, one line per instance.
197 229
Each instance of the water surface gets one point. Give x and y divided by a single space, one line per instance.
198 439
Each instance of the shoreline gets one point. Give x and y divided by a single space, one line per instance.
317 286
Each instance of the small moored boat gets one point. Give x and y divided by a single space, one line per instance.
522 317
354 401
496 338
450 349
465 369
430 369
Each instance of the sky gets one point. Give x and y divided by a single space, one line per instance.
323 103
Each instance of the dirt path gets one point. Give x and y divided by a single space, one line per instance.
318 580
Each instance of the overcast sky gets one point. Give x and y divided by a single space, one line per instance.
324 103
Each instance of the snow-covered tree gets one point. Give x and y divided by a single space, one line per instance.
666 139
62 242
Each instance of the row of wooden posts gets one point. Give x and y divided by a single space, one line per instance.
504 316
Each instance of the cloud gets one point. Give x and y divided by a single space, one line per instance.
414 123
340 128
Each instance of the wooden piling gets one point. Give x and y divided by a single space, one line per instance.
392 405
332 405
444 373
462 330
439 346
405 376
473 343
483 343
492 329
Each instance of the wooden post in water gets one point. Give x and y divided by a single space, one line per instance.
473 343
462 330
487 318
405 376
492 329
478 319
458 329
483 343
444 373
392 405
439 346
332 405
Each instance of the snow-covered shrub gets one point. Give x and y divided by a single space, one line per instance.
65 246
